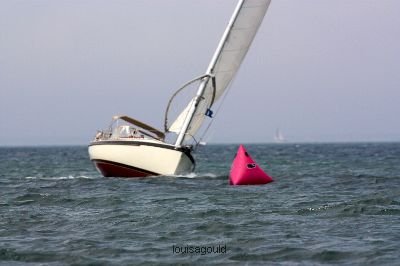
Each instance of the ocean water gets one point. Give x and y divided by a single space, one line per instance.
330 204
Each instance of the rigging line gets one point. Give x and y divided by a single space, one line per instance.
178 91
217 111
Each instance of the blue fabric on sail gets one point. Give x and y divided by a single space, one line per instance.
209 113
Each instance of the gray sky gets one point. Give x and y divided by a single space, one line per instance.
319 70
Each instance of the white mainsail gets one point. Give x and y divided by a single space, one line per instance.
226 61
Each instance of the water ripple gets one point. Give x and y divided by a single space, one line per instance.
329 205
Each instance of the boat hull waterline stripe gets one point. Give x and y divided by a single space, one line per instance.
114 169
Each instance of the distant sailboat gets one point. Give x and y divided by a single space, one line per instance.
202 143
130 148
279 138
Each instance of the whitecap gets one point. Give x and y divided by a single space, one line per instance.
196 175
60 177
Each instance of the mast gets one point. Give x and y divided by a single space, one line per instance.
209 72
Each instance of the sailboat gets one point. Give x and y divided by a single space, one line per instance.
131 148
279 138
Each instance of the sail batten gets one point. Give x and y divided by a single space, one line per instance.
226 61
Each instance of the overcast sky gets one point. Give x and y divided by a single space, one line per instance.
319 70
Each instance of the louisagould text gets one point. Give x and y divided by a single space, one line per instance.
199 250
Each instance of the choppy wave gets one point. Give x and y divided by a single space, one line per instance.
370 206
197 175
60 177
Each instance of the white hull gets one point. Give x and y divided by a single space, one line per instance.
138 158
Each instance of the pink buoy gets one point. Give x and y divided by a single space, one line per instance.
245 171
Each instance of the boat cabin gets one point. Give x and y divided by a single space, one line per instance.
124 127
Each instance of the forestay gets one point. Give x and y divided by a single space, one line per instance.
226 61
